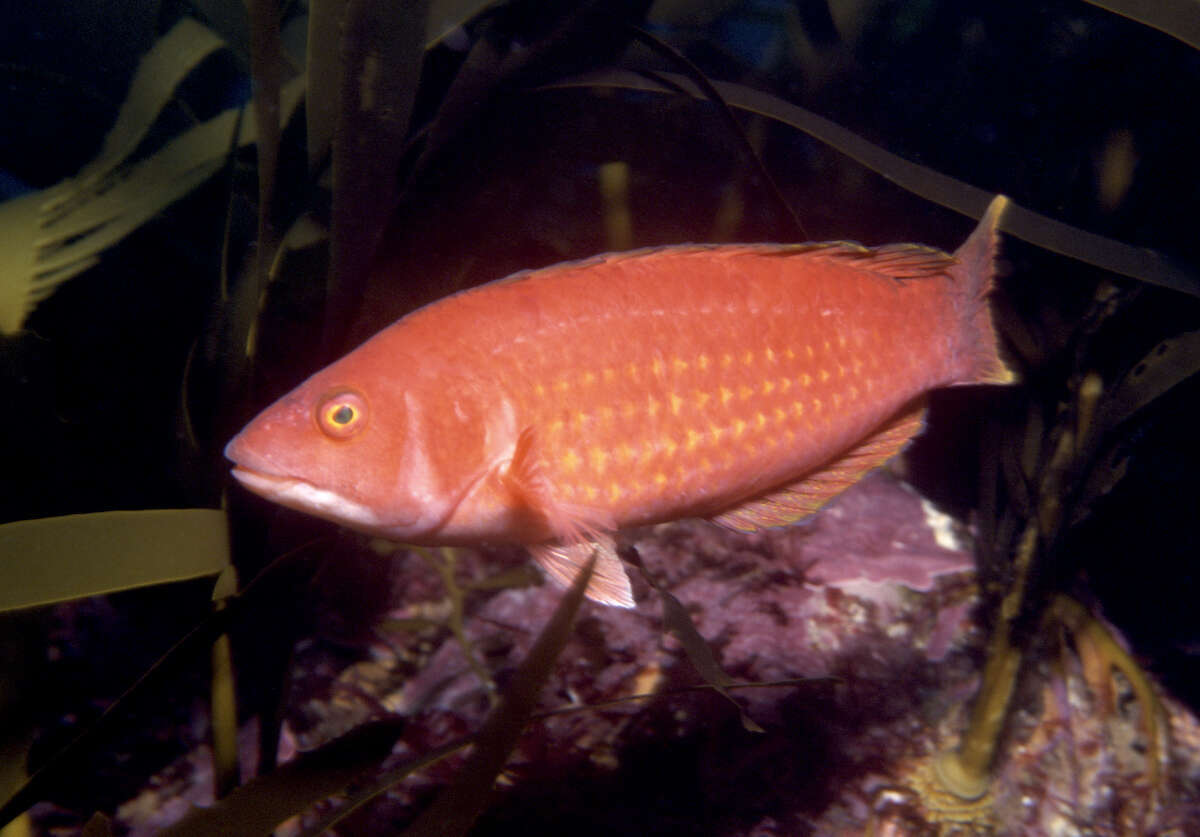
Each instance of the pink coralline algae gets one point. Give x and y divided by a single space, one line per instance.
869 606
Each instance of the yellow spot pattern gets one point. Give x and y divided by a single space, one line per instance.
599 458
635 432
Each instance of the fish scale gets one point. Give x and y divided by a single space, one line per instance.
745 383
713 417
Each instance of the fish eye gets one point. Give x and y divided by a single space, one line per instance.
342 414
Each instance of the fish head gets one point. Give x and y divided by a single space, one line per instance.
347 445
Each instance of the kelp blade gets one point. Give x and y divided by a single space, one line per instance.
55 559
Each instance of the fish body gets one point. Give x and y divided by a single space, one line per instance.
744 383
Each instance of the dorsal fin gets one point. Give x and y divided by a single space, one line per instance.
898 261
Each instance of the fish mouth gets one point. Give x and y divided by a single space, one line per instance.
302 495
268 485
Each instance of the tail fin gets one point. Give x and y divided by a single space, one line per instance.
974 272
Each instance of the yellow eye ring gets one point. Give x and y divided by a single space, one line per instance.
342 414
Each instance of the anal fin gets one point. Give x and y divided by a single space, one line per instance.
798 500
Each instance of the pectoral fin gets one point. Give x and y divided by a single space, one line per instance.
800 499
576 531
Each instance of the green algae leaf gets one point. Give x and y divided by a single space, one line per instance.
26 221
458 807
223 694
1178 18
447 15
230 19
326 19
382 53
259 806
323 59
55 559
161 70
1169 363
50 236
699 653
266 62
391 777
930 184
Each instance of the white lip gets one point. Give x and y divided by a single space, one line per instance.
298 494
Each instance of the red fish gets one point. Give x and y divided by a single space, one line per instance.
744 383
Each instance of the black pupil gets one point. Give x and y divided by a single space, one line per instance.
343 414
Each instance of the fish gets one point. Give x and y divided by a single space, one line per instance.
744 383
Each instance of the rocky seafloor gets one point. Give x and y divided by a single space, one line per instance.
866 610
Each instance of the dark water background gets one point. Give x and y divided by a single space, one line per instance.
1043 101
